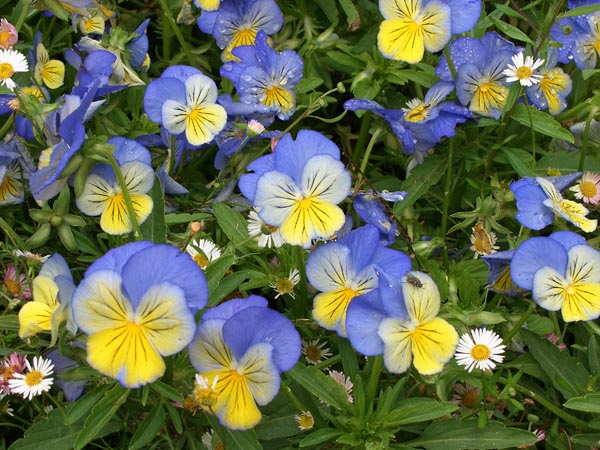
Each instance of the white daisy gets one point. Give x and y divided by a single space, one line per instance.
315 351
285 285
34 380
269 236
203 252
305 420
479 348
11 62
521 70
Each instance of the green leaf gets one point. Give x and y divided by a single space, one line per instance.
540 121
56 8
83 405
350 11
320 385
590 440
454 434
101 414
153 229
149 428
10 322
50 433
565 162
308 84
330 10
594 355
176 218
420 180
226 286
587 403
232 222
580 11
320 436
346 61
567 373
414 410
511 31
166 391
519 160
235 440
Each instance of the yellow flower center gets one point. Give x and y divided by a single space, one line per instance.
244 36
523 72
306 421
4 38
13 286
34 378
480 352
6 70
206 396
201 260
284 285
417 114
570 289
268 229
588 189
278 97
485 87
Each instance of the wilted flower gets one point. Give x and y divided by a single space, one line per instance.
16 286
343 381
8 34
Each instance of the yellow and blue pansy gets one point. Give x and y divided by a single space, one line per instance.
247 346
137 305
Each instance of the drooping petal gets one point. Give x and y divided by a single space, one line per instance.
433 344
396 335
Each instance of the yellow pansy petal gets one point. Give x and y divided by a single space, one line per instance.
421 296
35 317
329 308
279 98
168 323
96 194
115 218
124 352
208 5
235 405
581 302
262 378
400 39
433 344
396 335
309 219
202 123
45 291
53 74
11 190
554 82
489 97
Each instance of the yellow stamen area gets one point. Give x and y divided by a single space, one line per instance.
313 353
284 285
244 36
6 70
480 352
206 397
4 38
523 72
34 378
13 286
201 260
417 114
278 97
588 189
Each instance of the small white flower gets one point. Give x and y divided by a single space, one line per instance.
203 252
29 255
34 380
269 236
479 348
521 70
305 420
344 381
315 351
285 285
11 62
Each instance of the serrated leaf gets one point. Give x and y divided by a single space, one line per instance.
232 223
420 180
454 434
588 403
101 414
320 385
540 121
149 428
153 229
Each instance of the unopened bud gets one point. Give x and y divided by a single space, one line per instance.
195 227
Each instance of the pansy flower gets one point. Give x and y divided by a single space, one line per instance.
51 304
137 304
562 271
346 268
244 346
539 199
50 72
499 279
11 104
263 76
102 194
183 100
11 174
578 36
554 86
399 319
298 187
410 27
237 22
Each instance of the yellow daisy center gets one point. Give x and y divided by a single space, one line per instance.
284 285
523 72
201 260
206 396
6 70
305 421
13 286
4 38
34 378
588 189
480 352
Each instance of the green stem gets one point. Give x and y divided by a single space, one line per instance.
446 206
175 29
301 305
533 163
451 65
292 397
546 404
585 140
519 324
374 378
10 233
7 125
137 234
363 136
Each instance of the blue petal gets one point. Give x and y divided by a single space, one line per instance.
363 317
227 309
392 262
392 299
532 255
532 213
116 258
129 150
249 181
362 243
370 209
465 14
159 91
567 239
72 389
462 50
262 325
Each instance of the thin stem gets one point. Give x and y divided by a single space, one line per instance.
301 305
585 140
292 397
362 136
10 233
519 324
137 234
175 29
451 65
446 206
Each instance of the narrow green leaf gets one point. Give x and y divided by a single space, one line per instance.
235 440
176 218
175 418
590 440
454 434
519 160
226 286
567 373
511 30
420 180
350 11
330 9
587 403
10 322
594 354
83 405
414 410
320 385
232 222
580 11
320 436
345 60
56 8
153 229
308 84
540 121
149 428
168 392
101 414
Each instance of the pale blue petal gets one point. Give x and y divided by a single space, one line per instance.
116 258
129 150
363 317
227 309
330 267
532 255
362 242
465 14
568 239
158 92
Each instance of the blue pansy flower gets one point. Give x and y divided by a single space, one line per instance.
241 347
72 389
263 76
562 271
499 279
237 22
349 267
369 208
136 304
11 173
554 86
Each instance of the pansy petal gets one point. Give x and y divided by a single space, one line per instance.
227 309
235 406
96 194
325 178
261 375
275 197
329 309
532 255
396 335
433 344
398 39
158 92
115 217
208 352
549 288
311 218
203 123
329 267
465 14
139 176
53 73
174 116
421 296
363 317
200 89
129 150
